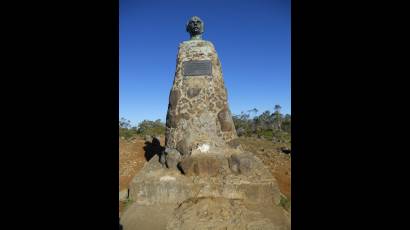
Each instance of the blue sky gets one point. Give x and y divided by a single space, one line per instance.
252 39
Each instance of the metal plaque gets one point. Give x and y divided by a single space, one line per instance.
196 68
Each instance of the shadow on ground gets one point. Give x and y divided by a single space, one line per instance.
153 148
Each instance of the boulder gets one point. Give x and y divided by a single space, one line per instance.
162 159
241 163
201 165
172 158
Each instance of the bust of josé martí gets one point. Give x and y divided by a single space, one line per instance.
195 28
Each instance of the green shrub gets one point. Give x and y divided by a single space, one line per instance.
267 134
127 133
146 127
281 136
284 202
152 128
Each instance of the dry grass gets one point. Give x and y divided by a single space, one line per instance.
271 155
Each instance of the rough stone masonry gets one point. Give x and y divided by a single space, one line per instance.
198 113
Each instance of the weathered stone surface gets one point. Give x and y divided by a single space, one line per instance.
192 92
172 158
156 184
204 165
174 97
198 104
184 147
147 217
241 163
225 120
204 214
162 159
235 144
222 214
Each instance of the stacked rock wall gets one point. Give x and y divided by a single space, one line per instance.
198 111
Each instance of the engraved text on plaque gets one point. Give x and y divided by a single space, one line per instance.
196 68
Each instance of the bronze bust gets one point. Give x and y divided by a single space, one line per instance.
195 28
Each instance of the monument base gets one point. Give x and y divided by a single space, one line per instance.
239 177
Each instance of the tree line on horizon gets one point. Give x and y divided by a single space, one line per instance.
146 127
269 125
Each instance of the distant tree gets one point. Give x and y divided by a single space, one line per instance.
152 128
263 121
124 123
242 124
277 118
254 111
286 123
272 126
125 129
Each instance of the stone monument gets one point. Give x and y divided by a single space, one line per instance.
198 115
202 180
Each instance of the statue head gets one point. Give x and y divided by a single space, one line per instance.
195 27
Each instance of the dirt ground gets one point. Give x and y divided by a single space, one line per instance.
132 158
271 155
133 155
